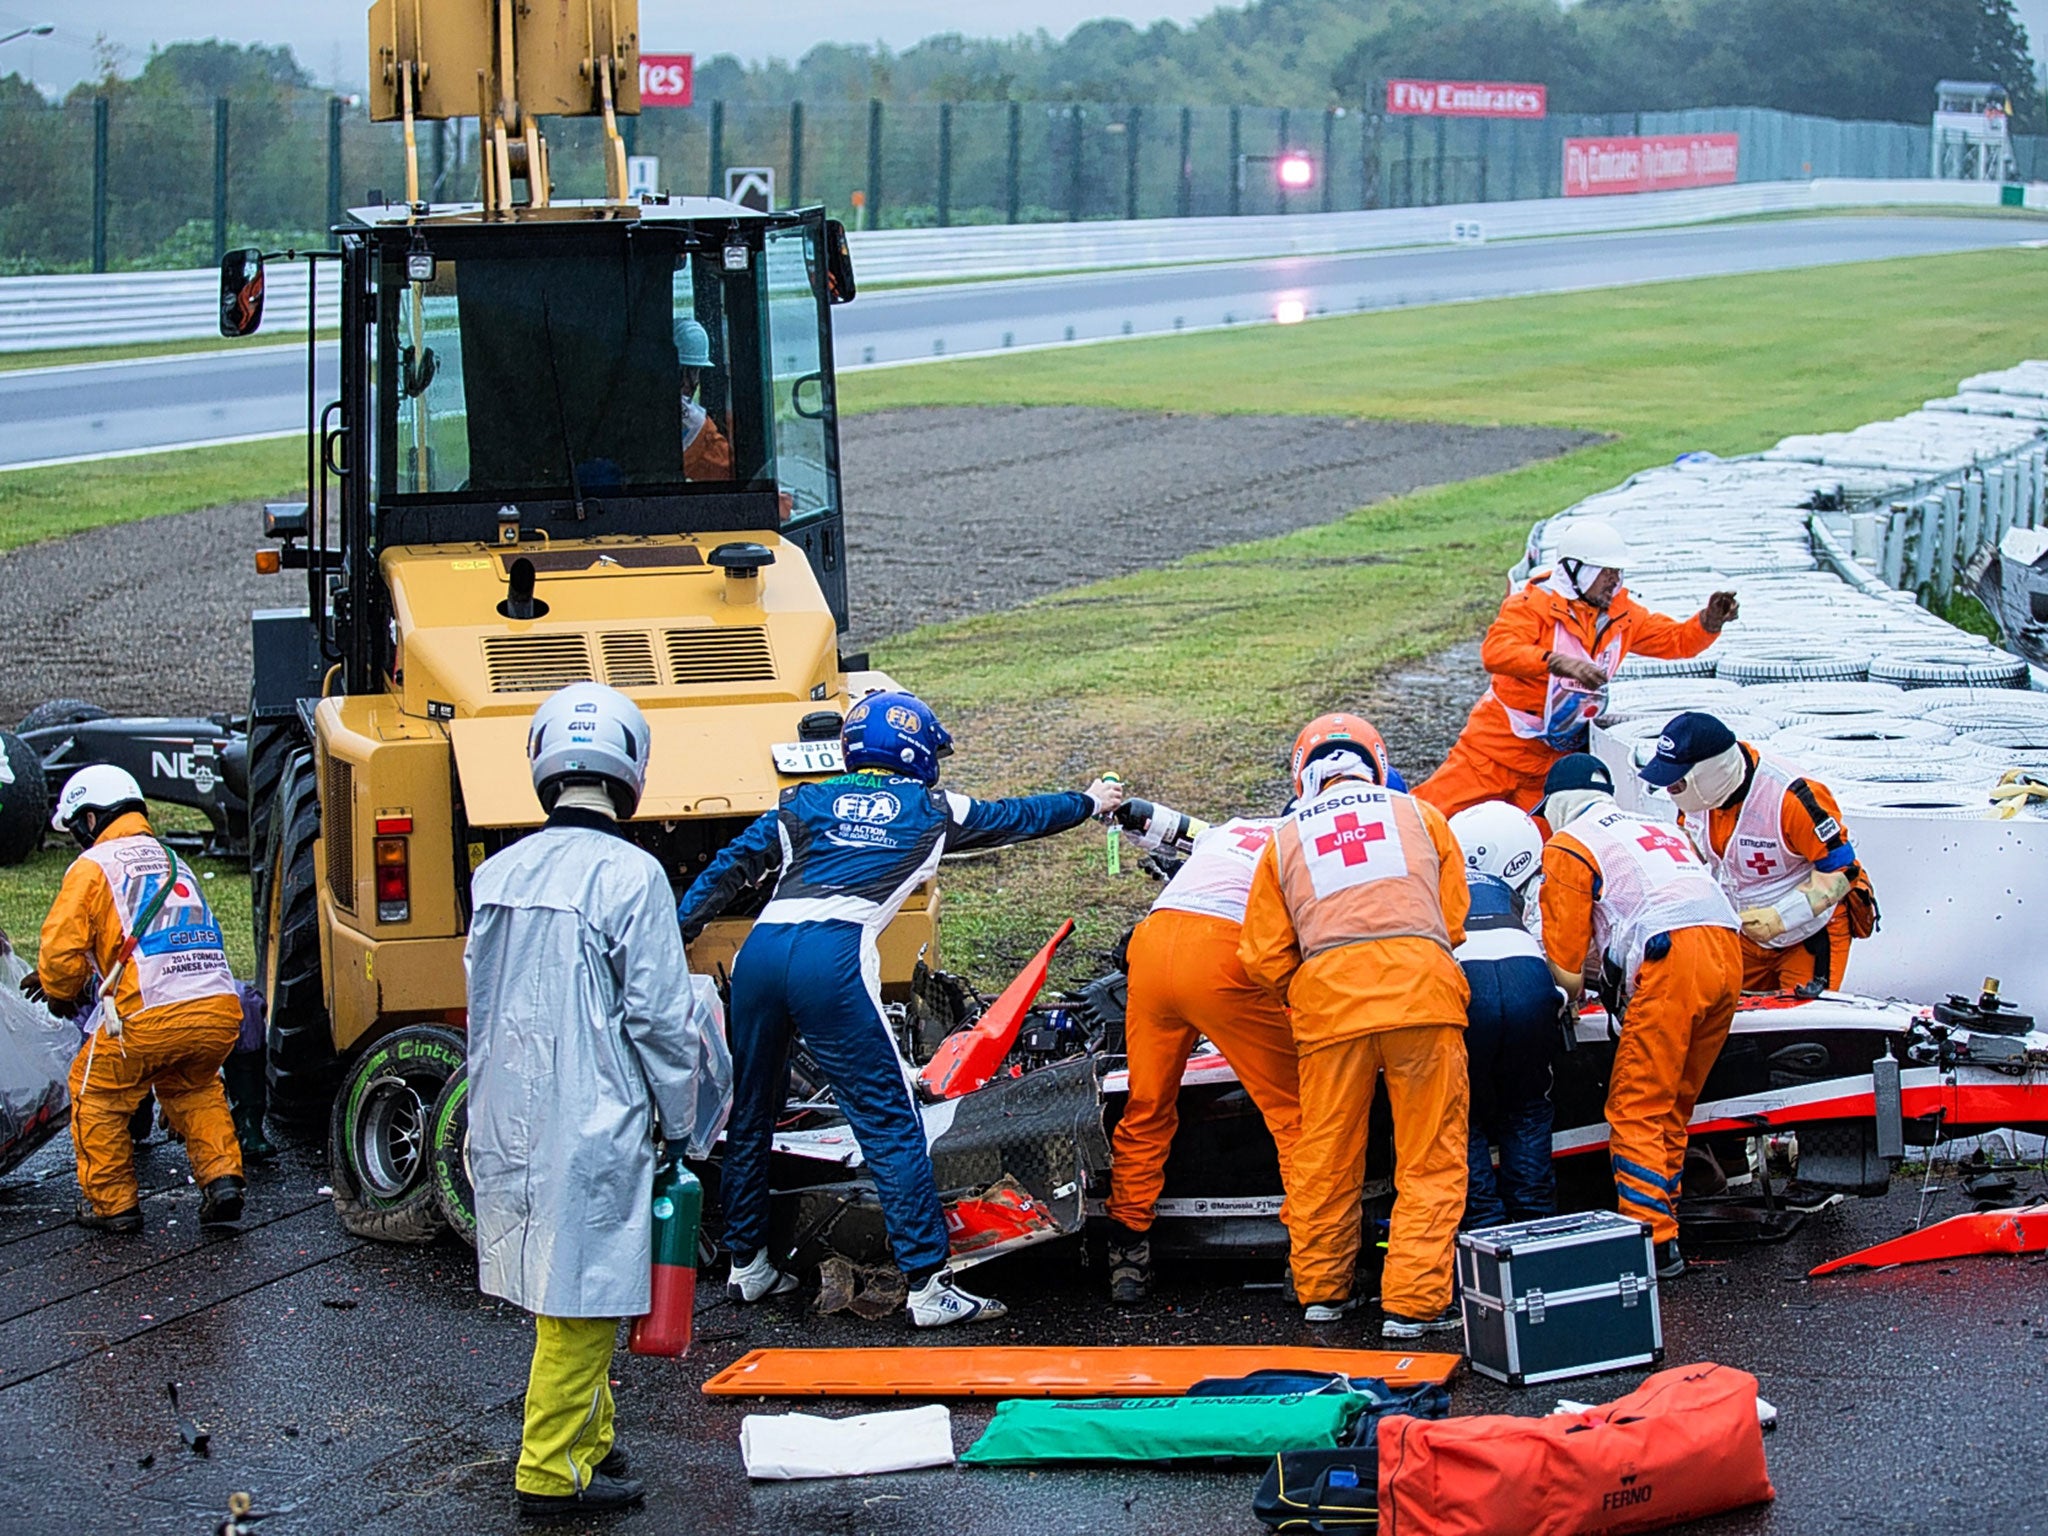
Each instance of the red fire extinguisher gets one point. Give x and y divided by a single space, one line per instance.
678 1206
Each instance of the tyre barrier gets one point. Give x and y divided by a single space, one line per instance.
1893 736
1793 664
1970 667
1846 697
2009 748
1977 708
1633 668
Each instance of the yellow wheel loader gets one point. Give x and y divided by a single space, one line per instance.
573 440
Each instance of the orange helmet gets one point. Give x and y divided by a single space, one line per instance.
1327 733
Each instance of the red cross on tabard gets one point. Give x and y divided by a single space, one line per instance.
1252 839
1350 840
1761 862
1657 840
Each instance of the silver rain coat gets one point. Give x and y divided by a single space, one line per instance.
583 1022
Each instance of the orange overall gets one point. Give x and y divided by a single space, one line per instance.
179 1012
1496 757
1788 837
1186 981
1353 915
1681 999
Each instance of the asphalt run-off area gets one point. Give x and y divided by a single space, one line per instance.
349 1387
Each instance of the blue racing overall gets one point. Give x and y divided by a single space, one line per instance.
1510 1031
846 853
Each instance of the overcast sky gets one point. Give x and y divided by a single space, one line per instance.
329 35
330 38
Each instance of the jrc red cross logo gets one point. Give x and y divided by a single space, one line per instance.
1252 839
1761 862
1350 840
1657 840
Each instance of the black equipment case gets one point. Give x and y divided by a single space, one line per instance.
1560 1297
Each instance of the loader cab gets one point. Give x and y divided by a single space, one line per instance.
669 371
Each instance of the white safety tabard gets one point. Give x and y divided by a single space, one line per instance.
1350 838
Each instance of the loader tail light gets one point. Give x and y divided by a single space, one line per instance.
394 880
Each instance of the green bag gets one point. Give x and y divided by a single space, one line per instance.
1162 1428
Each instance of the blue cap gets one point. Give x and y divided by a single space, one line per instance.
1688 740
1578 770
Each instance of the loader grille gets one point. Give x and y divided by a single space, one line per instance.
536 663
628 659
338 831
719 655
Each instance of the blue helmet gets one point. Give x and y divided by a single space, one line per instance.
896 732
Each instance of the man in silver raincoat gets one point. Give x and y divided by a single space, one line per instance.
583 1027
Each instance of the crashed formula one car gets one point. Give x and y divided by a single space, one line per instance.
1840 1084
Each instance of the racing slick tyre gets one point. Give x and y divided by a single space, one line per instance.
379 1142
61 712
299 1046
448 1146
24 800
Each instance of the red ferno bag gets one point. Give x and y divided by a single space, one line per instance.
1683 1445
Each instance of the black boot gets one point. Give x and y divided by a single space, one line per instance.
122 1223
220 1203
249 1097
1130 1265
600 1496
1670 1262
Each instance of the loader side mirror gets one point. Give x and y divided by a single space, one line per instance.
839 284
241 292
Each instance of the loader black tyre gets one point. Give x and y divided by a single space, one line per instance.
448 1143
379 1152
270 749
300 1059
61 712
24 800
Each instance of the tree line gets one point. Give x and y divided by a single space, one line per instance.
1854 59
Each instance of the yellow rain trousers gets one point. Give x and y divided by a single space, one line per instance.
568 1404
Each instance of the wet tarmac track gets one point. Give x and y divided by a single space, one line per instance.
354 1388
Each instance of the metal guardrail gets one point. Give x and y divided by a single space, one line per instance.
108 309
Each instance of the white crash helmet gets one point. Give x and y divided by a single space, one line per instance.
98 788
1499 840
590 734
1591 542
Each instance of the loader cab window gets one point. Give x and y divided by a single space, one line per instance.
806 408
553 367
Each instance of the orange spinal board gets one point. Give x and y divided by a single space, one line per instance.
1156 1370
969 1058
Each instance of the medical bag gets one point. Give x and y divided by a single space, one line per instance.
1559 1297
1684 1445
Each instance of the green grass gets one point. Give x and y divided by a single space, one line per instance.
1192 678
37 504
63 357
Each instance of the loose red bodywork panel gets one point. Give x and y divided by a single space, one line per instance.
970 1058
1159 1370
2024 1229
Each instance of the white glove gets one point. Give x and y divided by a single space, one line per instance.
1106 795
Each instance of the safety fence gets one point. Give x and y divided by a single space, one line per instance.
100 184
85 309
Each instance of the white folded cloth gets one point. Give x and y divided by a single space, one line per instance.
793 1445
